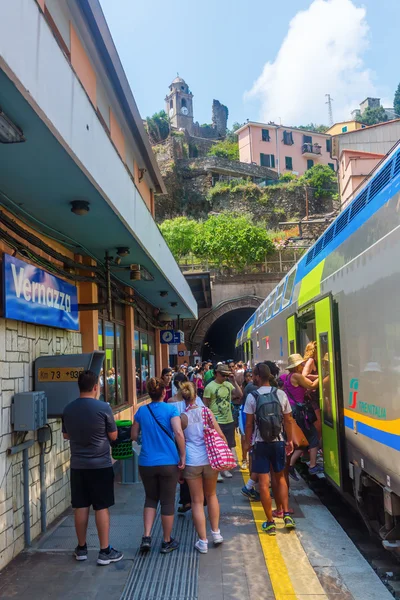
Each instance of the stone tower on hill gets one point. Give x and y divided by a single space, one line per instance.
179 105
179 108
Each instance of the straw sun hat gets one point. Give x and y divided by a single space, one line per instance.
223 369
294 360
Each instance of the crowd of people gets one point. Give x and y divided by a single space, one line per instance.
275 416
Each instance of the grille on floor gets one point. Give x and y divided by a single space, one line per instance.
156 576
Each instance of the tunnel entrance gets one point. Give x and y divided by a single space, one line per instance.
219 341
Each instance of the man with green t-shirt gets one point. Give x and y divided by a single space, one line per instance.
208 373
218 397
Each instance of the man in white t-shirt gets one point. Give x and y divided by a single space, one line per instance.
269 454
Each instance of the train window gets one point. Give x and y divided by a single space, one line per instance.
289 288
265 304
259 315
270 305
279 293
327 408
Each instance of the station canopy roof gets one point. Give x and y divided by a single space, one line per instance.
38 181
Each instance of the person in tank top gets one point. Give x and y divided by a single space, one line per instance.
296 386
201 478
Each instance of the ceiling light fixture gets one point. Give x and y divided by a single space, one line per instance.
173 304
9 132
123 251
80 207
163 294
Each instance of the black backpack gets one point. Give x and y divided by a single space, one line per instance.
269 415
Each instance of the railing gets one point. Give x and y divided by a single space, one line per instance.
311 149
280 262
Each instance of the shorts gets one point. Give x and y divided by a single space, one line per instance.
228 429
204 471
235 413
265 455
92 487
242 421
312 436
159 484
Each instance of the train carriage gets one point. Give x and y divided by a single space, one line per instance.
343 294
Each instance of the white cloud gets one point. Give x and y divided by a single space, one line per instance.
322 53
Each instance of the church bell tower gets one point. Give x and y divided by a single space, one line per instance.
179 105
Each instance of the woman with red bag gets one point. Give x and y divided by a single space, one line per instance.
201 478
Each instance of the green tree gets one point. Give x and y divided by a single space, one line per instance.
180 234
322 179
232 240
225 149
287 177
158 127
313 127
396 102
372 116
230 133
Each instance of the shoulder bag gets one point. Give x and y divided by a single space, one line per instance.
219 454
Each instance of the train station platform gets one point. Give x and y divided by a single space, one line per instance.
318 561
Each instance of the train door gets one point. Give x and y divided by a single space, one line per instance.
328 389
291 324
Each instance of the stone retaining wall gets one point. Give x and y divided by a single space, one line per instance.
20 345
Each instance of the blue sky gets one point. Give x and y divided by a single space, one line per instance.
265 60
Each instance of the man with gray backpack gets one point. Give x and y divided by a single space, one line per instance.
269 416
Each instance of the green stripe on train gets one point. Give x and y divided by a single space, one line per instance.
310 286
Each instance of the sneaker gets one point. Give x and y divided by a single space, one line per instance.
145 546
315 470
220 479
201 546
170 546
112 556
184 509
81 553
269 527
244 465
293 474
251 494
217 537
289 522
227 474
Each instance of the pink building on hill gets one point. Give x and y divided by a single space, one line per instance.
354 168
285 149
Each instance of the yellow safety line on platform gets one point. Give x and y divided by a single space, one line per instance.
277 570
289 569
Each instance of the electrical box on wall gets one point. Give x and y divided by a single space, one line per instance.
57 376
29 411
